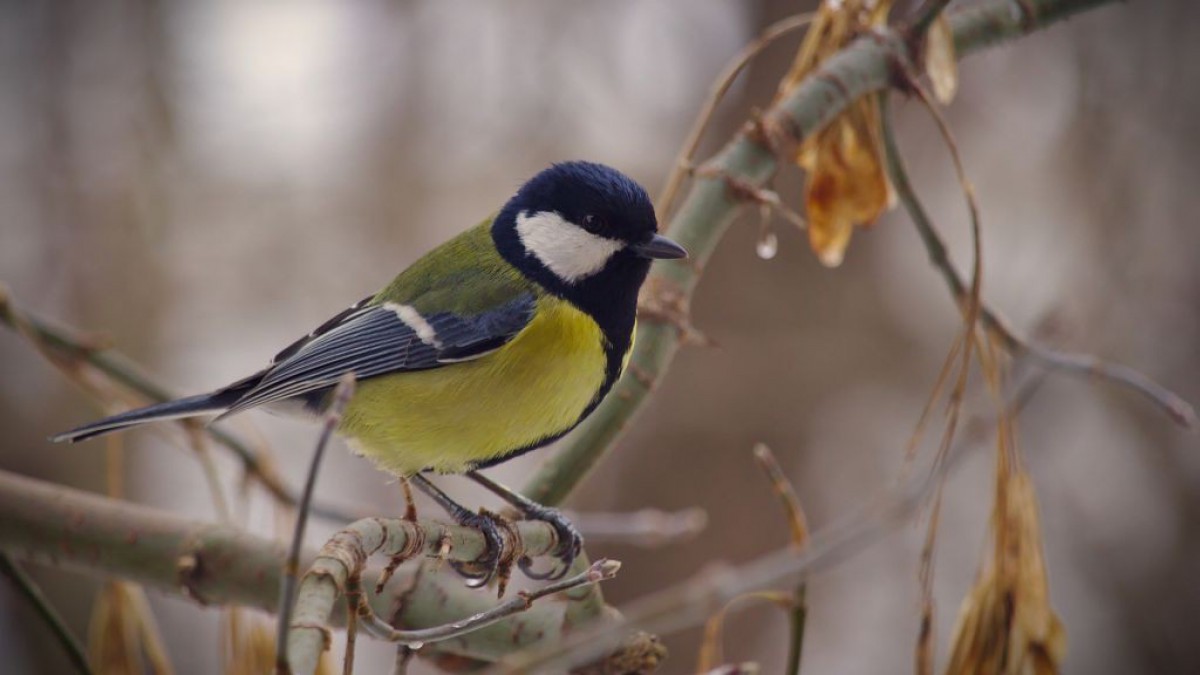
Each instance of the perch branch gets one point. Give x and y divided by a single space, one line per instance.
345 554
601 570
863 67
213 564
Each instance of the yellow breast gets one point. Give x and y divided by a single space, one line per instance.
452 417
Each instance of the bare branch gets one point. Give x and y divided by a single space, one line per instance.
688 603
648 528
863 67
345 554
215 564
1171 403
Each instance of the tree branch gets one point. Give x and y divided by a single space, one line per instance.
863 67
1171 403
50 524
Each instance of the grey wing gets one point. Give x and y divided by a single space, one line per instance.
381 339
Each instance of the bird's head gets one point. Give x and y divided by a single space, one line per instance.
584 231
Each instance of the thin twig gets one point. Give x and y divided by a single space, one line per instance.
75 349
199 444
720 87
1168 401
647 528
782 487
798 616
711 653
291 571
690 602
29 588
331 575
794 602
910 450
973 303
601 570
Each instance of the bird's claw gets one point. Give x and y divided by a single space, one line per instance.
482 570
570 544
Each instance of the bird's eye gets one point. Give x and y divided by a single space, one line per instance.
592 224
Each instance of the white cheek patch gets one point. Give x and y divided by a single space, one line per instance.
569 251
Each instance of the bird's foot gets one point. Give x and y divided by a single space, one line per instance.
496 560
570 542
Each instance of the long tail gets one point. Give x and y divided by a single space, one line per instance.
191 406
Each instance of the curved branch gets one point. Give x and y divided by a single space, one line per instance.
863 67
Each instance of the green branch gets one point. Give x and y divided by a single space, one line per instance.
863 67
213 564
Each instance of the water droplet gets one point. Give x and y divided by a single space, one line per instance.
768 246
415 645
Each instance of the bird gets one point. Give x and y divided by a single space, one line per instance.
496 343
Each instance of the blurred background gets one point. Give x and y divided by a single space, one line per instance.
203 182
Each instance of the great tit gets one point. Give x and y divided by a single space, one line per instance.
496 343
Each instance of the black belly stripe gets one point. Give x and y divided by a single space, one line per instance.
613 355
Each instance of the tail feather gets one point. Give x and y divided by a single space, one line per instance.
190 406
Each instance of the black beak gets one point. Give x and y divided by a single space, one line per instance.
659 247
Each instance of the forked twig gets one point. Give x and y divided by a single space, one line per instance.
1179 410
798 616
690 602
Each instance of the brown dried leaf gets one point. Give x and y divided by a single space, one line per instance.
847 184
835 23
941 63
1006 625
123 636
